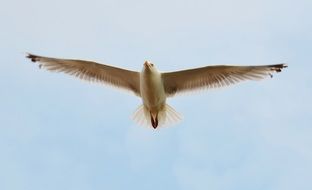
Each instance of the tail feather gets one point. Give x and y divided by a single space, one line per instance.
140 116
166 117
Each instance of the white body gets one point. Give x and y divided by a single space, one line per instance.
152 90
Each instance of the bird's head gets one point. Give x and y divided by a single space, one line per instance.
148 66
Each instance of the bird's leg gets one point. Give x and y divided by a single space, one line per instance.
154 120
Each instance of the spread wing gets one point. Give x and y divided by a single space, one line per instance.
215 76
91 71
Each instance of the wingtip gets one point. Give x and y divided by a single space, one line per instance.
278 68
285 65
32 57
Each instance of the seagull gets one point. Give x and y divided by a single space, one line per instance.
153 86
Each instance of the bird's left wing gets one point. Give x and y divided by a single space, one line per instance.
92 71
215 76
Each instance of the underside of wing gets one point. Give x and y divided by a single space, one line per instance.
215 76
91 71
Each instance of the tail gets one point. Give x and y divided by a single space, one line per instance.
165 117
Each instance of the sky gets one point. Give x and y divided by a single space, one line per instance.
57 132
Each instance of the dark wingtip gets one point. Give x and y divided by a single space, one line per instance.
284 65
32 57
278 68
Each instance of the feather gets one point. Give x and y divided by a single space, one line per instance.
91 71
215 76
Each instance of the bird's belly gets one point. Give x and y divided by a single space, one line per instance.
153 94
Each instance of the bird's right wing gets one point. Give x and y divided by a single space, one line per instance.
215 76
91 71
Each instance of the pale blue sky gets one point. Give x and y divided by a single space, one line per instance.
57 132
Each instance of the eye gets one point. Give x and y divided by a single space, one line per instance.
152 64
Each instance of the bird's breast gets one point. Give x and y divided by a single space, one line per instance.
152 90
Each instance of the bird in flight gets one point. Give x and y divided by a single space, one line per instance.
153 86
